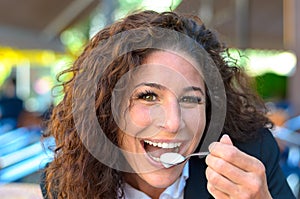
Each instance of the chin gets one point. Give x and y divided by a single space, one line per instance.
162 178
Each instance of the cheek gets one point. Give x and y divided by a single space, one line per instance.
126 142
196 121
139 115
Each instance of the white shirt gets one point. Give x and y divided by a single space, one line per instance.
174 191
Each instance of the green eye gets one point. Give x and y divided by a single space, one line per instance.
148 96
191 100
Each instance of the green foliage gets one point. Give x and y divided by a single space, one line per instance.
271 86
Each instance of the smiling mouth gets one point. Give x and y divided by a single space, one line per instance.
155 149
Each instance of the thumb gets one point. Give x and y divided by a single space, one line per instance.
226 139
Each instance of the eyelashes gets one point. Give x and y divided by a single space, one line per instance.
149 96
191 100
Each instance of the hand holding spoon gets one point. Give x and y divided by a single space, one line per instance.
172 159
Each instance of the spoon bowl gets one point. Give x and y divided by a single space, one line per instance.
172 159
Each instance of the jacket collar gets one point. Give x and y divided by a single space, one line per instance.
195 187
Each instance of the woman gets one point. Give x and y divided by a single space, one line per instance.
154 83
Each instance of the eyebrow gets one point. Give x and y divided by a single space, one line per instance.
154 85
194 88
160 87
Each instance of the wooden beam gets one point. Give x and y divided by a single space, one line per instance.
242 23
66 17
294 44
189 7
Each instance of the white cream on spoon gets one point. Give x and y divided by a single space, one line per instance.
172 159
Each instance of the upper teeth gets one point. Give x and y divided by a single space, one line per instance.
164 145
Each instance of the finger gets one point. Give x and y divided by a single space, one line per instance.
226 169
226 139
251 189
216 193
233 155
221 183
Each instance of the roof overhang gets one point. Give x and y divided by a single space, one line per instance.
36 24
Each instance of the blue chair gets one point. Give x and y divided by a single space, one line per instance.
22 153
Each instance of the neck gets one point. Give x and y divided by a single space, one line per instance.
138 183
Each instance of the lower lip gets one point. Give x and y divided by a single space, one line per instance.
154 162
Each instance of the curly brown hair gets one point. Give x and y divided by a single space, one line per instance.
75 172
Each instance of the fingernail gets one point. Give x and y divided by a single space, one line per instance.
225 139
225 136
211 146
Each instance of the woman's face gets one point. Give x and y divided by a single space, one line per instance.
164 111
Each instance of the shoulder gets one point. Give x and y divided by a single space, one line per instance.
43 184
264 147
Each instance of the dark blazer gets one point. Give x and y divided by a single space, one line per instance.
264 148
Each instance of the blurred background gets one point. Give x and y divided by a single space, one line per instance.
38 39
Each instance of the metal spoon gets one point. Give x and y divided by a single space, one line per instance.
172 159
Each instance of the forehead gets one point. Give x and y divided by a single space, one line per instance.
178 61
170 67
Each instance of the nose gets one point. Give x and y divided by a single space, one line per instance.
172 119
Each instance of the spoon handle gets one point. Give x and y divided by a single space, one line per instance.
197 154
